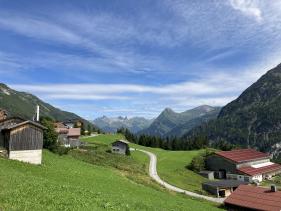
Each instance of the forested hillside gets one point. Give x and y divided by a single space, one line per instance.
23 104
253 119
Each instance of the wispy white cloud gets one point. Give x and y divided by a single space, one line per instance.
84 96
79 36
104 42
248 7
215 87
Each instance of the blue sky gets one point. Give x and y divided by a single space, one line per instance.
135 58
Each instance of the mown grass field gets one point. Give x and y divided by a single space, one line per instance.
87 179
171 165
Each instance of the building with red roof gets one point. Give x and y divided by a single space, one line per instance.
247 197
69 137
246 165
243 155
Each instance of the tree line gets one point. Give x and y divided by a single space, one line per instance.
173 143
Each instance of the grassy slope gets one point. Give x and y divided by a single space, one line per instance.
66 183
170 166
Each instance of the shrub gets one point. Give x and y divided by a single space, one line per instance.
49 135
128 152
198 163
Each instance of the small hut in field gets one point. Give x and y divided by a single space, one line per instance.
120 147
22 139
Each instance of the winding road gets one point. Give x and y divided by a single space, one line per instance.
154 175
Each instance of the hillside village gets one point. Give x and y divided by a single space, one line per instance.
231 175
160 105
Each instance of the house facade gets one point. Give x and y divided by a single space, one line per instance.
120 147
244 164
68 136
221 188
22 140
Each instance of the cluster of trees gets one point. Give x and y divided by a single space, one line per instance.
174 143
86 130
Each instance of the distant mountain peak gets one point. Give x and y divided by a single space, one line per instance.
111 124
168 110
205 108
169 120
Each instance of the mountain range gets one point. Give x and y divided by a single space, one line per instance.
252 120
111 124
172 124
23 104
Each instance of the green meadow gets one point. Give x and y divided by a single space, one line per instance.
171 165
88 179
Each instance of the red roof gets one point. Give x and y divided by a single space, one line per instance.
74 132
255 171
61 130
255 198
242 155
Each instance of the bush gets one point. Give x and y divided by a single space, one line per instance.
128 152
198 163
50 136
60 150
108 151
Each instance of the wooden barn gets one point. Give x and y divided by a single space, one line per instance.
120 147
22 140
246 165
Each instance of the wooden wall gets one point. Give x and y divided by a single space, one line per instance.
26 137
217 163
1 140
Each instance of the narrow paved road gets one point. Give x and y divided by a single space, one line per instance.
153 174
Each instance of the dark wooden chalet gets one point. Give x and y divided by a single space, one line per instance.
23 140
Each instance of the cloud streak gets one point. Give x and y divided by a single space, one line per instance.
248 7
184 55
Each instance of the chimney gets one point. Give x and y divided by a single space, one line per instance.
273 188
37 113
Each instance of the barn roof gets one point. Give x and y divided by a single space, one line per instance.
12 118
242 155
122 141
225 183
61 130
262 170
11 127
255 198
